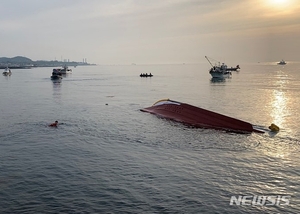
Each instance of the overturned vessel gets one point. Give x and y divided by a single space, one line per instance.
198 117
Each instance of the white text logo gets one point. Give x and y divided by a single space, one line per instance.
260 200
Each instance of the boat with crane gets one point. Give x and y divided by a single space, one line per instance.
218 70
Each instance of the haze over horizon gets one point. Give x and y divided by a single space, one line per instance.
147 32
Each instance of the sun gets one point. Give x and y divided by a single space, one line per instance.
279 3
280 7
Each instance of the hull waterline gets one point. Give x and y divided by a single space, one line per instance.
56 77
198 117
220 75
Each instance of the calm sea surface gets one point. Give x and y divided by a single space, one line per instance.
109 157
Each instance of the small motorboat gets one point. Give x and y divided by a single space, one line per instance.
6 72
198 117
146 75
282 62
56 75
237 68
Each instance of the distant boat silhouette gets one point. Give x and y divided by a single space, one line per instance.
282 62
6 72
146 75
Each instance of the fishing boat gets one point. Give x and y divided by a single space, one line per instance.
6 72
66 70
198 117
282 62
218 70
63 70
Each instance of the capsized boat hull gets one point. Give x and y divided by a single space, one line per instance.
198 117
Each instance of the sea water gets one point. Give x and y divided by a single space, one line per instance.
107 156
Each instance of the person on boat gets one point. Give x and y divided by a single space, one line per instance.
55 124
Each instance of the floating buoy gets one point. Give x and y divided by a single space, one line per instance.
274 128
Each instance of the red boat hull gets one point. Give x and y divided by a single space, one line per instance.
198 117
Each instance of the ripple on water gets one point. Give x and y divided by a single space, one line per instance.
115 159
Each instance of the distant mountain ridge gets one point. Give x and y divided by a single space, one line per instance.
16 59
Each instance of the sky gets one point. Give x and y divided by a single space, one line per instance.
151 31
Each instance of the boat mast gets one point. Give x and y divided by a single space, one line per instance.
209 61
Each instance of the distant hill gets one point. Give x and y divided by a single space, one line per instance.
24 62
17 59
